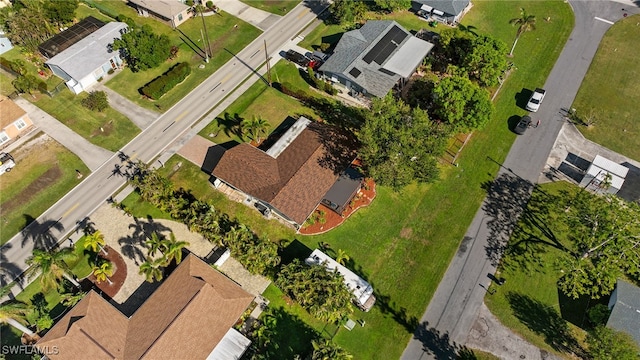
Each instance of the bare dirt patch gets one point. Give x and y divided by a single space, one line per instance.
406 233
42 182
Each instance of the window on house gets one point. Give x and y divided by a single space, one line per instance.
179 17
3 137
20 124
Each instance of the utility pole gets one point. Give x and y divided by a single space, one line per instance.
266 55
204 25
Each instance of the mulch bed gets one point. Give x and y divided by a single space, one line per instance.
364 197
119 273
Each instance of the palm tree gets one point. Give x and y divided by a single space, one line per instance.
256 128
173 250
95 241
341 257
525 23
53 267
103 272
156 243
15 313
151 269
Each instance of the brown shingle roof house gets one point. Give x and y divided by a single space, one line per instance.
185 318
294 174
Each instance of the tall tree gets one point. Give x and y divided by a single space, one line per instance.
156 243
322 293
95 242
173 249
393 5
143 49
324 349
526 22
400 144
52 266
15 314
256 128
461 103
485 62
342 257
103 272
347 11
61 12
608 344
152 269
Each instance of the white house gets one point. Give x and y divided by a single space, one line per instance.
85 62
600 169
362 290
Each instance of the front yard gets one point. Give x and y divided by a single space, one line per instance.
43 174
610 92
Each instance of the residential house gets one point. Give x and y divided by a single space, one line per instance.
293 176
373 59
362 291
5 43
13 120
190 316
172 12
625 309
84 63
604 176
446 11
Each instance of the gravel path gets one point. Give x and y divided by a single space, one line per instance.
126 235
488 334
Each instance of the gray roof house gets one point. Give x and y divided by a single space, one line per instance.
172 12
625 309
449 11
85 62
373 59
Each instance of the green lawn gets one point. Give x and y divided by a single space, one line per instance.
6 88
404 241
262 101
84 10
278 7
225 40
531 304
109 129
17 54
610 91
41 177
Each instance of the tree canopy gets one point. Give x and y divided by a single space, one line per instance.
347 11
143 49
461 103
608 344
597 238
400 144
322 293
392 5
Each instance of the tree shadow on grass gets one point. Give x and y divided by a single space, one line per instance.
288 335
397 313
231 124
440 345
546 322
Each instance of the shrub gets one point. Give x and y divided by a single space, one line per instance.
324 47
96 101
209 4
161 85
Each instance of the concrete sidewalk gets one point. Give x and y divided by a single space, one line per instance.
93 156
256 17
137 114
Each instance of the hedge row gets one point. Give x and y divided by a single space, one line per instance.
162 84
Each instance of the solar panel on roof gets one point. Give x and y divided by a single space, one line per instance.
355 72
389 42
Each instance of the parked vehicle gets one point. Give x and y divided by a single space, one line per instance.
536 99
297 58
523 125
6 163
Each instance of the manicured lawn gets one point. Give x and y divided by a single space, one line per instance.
142 209
278 7
84 10
531 304
43 175
225 40
404 241
17 54
611 91
265 102
109 129
6 88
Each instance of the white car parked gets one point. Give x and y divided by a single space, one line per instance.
535 100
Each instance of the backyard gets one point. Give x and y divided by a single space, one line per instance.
405 251
610 98
45 171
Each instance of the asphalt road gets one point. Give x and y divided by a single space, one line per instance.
64 216
455 305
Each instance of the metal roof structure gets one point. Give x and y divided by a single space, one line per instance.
599 169
625 314
62 41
